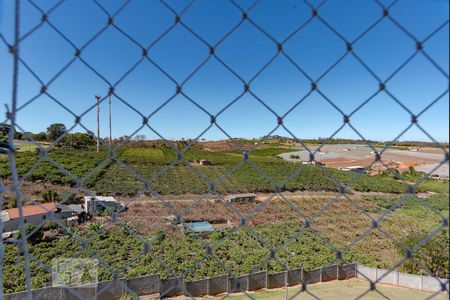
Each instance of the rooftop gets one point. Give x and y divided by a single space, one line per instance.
198 227
31 210
101 198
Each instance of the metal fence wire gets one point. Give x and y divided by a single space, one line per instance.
19 63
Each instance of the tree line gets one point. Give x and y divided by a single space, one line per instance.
55 133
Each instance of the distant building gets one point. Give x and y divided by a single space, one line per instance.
312 163
357 169
96 204
34 214
241 198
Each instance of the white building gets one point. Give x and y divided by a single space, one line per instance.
96 204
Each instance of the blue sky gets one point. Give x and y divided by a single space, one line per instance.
314 48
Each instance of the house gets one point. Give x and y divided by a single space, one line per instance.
34 214
241 198
96 204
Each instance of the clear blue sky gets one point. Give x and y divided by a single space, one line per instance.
281 85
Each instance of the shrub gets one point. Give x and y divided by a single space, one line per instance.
95 227
433 255
50 196
31 228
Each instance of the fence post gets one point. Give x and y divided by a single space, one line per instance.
302 277
321 271
267 279
286 285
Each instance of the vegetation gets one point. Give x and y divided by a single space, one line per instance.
32 232
262 175
240 252
433 255
78 162
181 178
50 196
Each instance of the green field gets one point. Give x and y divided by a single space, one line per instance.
262 175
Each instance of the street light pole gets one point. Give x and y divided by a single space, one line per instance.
110 132
98 122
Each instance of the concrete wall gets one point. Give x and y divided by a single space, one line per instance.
57 293
418 282
217 285
14 224
329 273
295 277
111 289
347 271
171 287
77 293
257 281
238 284
197 288
276 280
312 276
148 285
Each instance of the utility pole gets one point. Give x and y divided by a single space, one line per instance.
98 122
110 132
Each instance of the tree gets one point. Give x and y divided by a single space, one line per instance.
17 135
140 137
54 131
4 130
78 140
40 137
433 255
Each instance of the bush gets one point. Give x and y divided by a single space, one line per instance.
433 255
95 227
31 228
50 196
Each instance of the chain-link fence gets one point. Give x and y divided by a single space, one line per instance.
273 249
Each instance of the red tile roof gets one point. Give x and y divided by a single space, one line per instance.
32 210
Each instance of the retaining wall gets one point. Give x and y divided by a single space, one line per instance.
418 282
147 285
217 285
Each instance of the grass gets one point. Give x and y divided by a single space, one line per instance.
336 290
